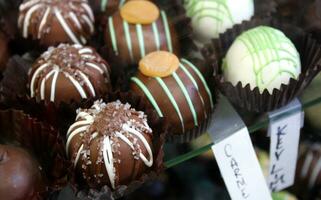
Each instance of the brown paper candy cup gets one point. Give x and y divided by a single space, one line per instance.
40 140
252 100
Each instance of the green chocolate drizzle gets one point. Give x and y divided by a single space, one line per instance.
187 97
217 10
172 99
200 76
167 32
103 5
113 34
149 95
140 35
128 40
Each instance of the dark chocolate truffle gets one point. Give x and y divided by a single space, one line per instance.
20 174
308 173
131 38
56 21
176 89
110 144
69 72
4 51
312 19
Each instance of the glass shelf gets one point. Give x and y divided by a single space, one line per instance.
262 123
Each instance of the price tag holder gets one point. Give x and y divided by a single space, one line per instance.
235 155
285 135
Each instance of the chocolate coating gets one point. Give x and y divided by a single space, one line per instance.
110 144
183 97
4 51
69 72
128 43
19 174
56 21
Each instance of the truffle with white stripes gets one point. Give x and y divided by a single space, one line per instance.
69 72
110 144
56 21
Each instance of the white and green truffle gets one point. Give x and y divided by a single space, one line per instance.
212 17
262 57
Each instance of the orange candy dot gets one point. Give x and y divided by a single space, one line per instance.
159 64
139 12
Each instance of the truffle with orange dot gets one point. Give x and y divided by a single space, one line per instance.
138 28
175 88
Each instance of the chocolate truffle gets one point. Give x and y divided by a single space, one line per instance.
20 174
137 29
262 57
308 172
312 19
175 88
110 144
56 21
4 51
69 72
210 18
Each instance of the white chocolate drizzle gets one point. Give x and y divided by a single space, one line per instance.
76 13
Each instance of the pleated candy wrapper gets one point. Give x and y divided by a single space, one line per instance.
252 100
41 140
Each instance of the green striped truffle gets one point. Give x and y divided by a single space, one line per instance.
212 17
262 57
183 97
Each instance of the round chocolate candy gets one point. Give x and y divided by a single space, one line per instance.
175 88
56 21
110 144
69 72
20 174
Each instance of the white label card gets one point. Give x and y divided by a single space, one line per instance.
240 168
285 136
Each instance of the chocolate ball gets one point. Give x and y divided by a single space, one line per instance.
56 21
308 172
4 51
69 72
312 19
110 144
128 42
20 174
183 96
